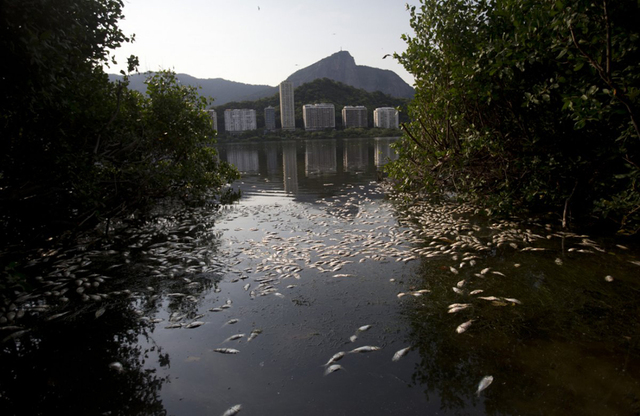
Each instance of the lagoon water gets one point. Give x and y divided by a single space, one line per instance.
315 259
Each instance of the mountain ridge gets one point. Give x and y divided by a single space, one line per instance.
339 67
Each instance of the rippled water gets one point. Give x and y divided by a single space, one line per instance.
313 251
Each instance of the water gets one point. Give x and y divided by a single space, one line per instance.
324 251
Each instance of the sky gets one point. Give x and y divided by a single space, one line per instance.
261 41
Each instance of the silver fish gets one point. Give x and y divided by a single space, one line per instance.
234 337
337 356
484 271
366 348
332 368
226 350
484 383
464 326
476 292
453 270
364 328
194 324
231 321
459 308
254 334
233 410
353 338
400 353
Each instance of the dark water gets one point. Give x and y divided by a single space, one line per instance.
324 251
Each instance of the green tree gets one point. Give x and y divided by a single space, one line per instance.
526 104
76 149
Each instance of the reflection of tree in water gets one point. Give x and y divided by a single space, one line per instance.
571 347
62 363
62 367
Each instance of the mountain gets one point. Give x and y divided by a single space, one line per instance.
342 67
221 90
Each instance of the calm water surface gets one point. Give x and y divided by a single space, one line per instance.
313 252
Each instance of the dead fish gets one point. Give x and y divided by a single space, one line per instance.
116 366
353 338
364 328
100 311
476 292
231 321
366 348
459 308
254 334
461 283
234 337
226 350
608 278
484 271
453 270
400 353
498 273
342 275
174 326
194 324
247 286
332 368
484 383
458 290
512 300
464 326
336 357
233 410
489 298
216 310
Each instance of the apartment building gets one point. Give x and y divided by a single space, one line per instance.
385 118
236 120
319 116
354 117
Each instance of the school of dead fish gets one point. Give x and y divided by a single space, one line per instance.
181 250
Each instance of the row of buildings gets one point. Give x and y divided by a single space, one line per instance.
315 116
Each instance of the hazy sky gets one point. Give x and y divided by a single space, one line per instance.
261 41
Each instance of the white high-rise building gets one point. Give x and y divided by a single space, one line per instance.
287 109
354 117
236 120
319 116
214 118
385 118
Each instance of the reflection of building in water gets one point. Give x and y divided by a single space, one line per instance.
385 118
287 109
214 118
244 158
354 117
320 157
384 153
290 167
239 119
355 155
271 153
270 118
319 116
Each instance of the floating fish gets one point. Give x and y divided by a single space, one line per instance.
332 368
116 366
484 383
400 353
453 270
194 324
464 326
337 356
226 350
484 271
459 308
366 348
234 337
608 278
461 283
254 334
364 328
231 321
476 292
458 290
353 338
233 410
100 311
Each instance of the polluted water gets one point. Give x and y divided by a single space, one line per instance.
321 262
